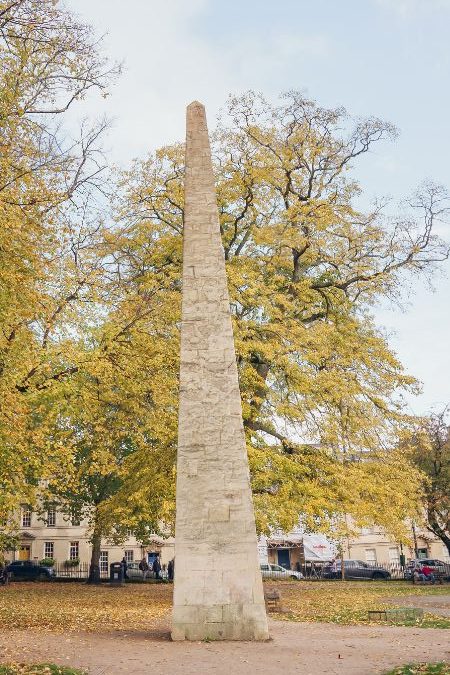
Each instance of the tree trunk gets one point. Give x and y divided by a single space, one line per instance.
94 567
435 528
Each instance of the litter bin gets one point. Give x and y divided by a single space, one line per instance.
116 573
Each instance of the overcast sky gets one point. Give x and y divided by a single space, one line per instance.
388 58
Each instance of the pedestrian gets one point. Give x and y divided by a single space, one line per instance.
170 570
157 567
4 574
417 573
428 575
143 566
124 567
334 569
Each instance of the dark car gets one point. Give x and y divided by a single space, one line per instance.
355 569
26 569
438 566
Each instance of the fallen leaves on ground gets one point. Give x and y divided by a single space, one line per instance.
80 607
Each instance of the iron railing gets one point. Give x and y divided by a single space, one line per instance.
353 570
80 571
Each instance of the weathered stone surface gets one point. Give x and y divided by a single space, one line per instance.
218 590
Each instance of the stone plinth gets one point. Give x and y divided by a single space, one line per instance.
218 590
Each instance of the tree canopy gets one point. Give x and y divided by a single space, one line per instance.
321 388
49 61
90 299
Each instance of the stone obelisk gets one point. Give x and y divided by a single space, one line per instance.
218 590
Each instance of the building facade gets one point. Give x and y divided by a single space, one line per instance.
66 541
373 546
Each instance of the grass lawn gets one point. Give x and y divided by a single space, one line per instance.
422 669
348 602
78 607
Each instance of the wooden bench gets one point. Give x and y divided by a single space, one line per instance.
395 614
439 578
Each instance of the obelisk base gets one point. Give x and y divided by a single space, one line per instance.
220 622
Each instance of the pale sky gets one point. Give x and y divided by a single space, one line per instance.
387 58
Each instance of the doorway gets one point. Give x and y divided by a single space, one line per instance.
25 553
284 558
151 557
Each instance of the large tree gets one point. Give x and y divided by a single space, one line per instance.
90 312
321 389
116 418
49 61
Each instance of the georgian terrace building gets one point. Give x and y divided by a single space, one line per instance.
57 537
374 547
66 541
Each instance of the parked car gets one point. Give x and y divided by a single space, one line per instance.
269 571
27 569
133 572
439 566
355 569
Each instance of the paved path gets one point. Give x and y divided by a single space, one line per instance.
300 648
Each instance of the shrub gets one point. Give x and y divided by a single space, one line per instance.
72 563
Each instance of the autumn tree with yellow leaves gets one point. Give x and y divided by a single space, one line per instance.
321 388
90 304
49 62
116 417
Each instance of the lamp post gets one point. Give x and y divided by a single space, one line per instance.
416 550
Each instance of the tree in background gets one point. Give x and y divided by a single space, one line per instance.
90 308
49 61
321 389
430 448
116 417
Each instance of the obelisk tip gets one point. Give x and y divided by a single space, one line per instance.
195 104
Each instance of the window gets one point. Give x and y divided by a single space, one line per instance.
130 534
49 548
75 520
26 516
74 550
129 556
371 556
394 555
103 562
51 516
